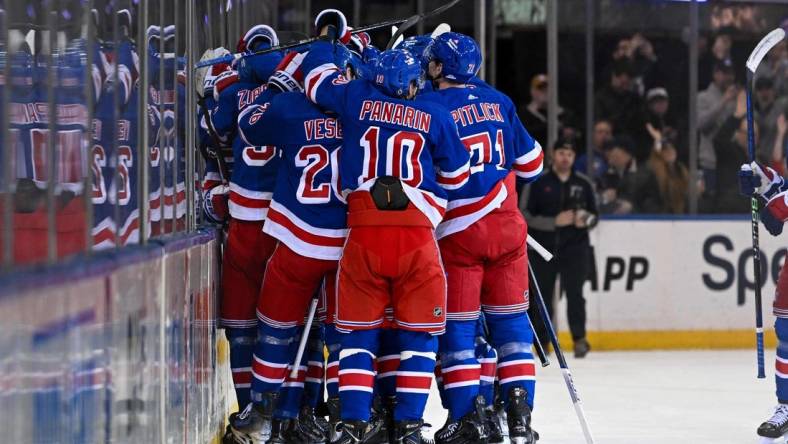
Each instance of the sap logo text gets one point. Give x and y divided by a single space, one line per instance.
737 272
616 268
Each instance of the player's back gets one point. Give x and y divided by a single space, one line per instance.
386 136
307 212
483 118
254 167
498 143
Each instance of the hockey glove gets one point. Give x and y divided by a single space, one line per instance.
204 73
359 42
224 81
773 225
336 19
288 76
755 179
215 203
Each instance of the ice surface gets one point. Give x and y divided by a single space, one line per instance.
650 397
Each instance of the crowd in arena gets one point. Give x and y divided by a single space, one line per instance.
640 152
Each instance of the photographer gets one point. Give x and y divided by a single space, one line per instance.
560 209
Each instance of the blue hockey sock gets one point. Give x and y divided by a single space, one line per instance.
488 360
512 337
274 353
356 375
460 371
313 384
387 364
333 340
242 343
414 377
781 364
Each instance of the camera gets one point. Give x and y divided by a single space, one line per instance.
576 201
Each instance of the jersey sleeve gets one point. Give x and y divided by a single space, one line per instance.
528 155
324 83
262 122
451 158
225 114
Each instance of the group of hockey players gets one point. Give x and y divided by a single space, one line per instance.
381 186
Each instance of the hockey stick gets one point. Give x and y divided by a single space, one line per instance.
570 385
412 21
304 336
208 154
538 344
757 55
388 23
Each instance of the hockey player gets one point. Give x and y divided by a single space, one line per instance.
250 190
760 181
397 157
482 242
308 217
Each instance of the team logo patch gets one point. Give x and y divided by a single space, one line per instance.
437 312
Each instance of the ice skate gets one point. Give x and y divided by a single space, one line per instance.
253 424
310 426
334 423
409 432
380 425
496 420
352 432
472 428
775 429
518 417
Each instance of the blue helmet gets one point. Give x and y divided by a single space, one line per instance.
258 68
416 45
342 56
395 70
459 54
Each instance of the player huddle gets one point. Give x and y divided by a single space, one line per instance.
389 203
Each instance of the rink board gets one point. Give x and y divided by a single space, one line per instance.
665 284
117 348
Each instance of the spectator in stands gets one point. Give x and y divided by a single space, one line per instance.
672 176
657 107
534 115
720 51
715 106
617 102
603 133
638 52
730 144
560 208
767 109
628 186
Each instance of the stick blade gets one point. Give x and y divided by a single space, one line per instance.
443 28
766 44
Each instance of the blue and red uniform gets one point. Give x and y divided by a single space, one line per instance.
248 248
482 237
415 144
309 219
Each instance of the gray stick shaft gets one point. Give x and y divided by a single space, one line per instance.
304 338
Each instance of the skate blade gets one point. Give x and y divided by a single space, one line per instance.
781 440
518 440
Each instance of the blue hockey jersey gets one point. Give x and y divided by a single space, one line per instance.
254 167
307 212
385 136
490 129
